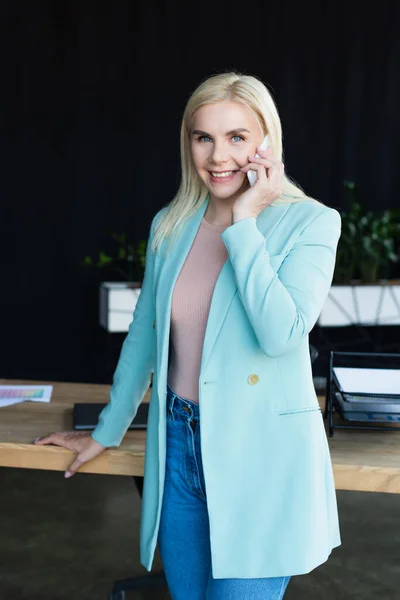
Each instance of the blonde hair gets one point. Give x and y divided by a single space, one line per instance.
192 192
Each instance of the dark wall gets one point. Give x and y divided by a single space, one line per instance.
92 96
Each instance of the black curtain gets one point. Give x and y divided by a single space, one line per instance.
91 102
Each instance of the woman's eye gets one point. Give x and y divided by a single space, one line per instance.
202 137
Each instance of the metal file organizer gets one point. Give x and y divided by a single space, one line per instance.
361 407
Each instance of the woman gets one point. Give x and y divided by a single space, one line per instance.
238 486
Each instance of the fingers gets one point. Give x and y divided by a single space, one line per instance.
73 467
48 439
253 166
268 162
58 439
81 443
275 169
268 153
268 180
267 156
260 170
63 439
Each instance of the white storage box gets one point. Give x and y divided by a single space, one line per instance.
117 303
375 304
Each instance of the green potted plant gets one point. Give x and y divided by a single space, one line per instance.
362 292
128 260
369 243
117 299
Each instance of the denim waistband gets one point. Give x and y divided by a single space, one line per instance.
182 407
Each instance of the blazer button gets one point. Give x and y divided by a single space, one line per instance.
154 324
253 379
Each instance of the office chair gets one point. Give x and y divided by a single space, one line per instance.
313 353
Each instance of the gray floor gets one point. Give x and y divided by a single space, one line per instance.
70 539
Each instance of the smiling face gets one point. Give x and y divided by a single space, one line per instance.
223 135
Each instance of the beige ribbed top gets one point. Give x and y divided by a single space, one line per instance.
191 301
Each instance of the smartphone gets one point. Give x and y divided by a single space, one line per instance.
252 175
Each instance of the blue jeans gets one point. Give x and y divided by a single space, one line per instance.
184 534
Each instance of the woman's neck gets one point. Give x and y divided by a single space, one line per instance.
219 213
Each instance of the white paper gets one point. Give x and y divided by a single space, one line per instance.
368 381
14 394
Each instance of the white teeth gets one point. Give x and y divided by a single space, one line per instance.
226 174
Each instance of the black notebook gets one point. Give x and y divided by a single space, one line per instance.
85 416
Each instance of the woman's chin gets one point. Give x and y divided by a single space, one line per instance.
228 189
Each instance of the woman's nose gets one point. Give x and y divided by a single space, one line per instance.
219 154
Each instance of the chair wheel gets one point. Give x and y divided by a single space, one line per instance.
117 596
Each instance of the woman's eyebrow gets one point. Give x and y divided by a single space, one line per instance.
238 130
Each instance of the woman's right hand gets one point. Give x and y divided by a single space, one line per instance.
80 442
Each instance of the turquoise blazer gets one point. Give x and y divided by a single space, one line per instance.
268 472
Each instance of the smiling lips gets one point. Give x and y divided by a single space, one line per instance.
222 176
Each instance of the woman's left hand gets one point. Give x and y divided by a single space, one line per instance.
267 188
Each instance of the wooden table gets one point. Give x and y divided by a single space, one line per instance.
362 460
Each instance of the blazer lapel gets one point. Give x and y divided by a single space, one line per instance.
224 290
169 272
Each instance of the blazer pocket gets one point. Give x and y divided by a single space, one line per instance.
299 411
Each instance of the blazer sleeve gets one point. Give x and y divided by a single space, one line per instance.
283 308
136 363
